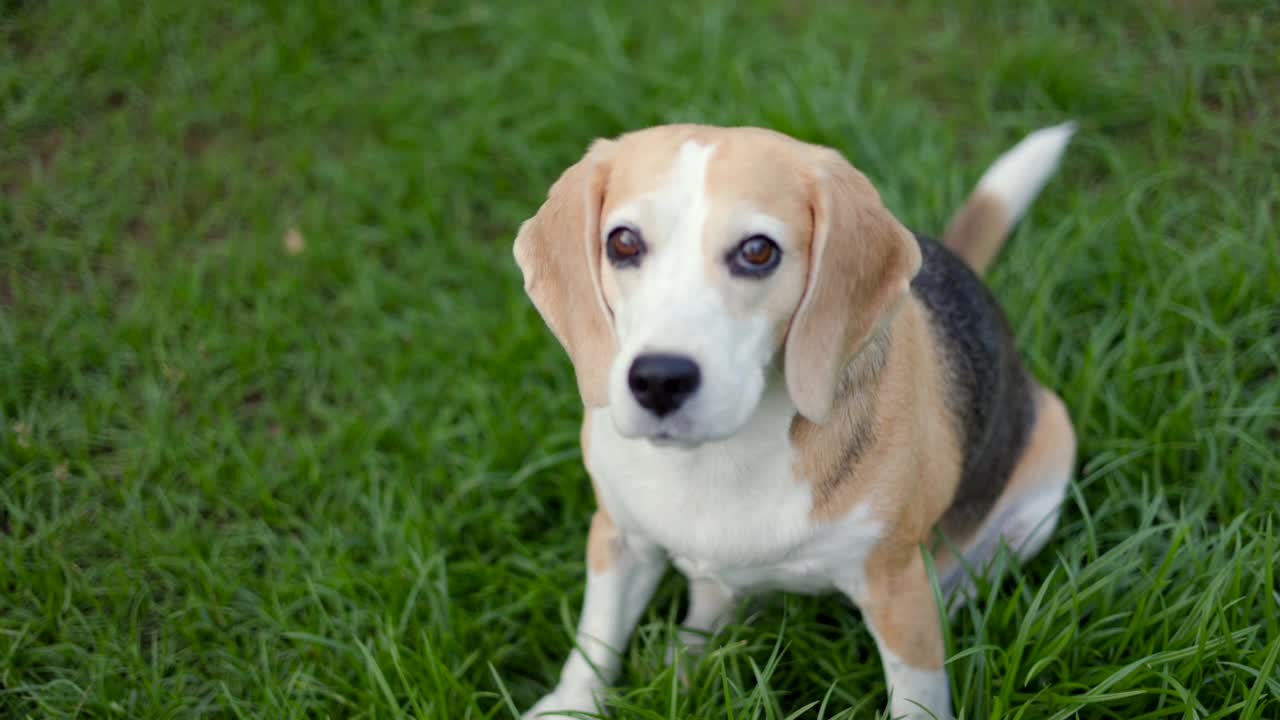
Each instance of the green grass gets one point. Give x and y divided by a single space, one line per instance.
244 482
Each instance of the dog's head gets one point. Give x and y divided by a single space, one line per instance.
680 265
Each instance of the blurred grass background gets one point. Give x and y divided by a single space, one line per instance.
338 477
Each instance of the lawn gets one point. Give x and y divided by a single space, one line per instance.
281 436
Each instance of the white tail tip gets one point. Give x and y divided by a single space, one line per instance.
1017 176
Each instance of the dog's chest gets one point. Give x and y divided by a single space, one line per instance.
731 510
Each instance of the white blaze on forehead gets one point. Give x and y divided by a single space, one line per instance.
677 208
688 185
672 218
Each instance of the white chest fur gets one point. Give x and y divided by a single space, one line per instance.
732 510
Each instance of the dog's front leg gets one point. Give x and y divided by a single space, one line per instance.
622 572
899 607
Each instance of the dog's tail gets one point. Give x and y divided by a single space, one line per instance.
1003 194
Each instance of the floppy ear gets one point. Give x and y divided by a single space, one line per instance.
556 250
861 261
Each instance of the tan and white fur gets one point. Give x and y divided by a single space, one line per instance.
822 447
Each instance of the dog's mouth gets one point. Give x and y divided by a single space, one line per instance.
675 434
669 432
664 439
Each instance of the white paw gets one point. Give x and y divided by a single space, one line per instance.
934 706
560 702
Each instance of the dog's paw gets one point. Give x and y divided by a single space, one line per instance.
562 701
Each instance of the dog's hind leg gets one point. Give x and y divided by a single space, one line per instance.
1027 512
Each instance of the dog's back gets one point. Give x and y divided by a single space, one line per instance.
991 398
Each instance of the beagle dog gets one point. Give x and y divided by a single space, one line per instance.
785 388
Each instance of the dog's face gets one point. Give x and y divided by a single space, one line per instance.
679 265
702 264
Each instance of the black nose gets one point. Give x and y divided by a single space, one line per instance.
662 383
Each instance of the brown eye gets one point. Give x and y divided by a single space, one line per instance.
624 246
756 256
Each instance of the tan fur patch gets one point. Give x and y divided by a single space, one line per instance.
1051 447
829 455
1052 444
913 460
909 475
742 180
860 267
643 158
555 252
902 610
603 538
603 542
978 230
